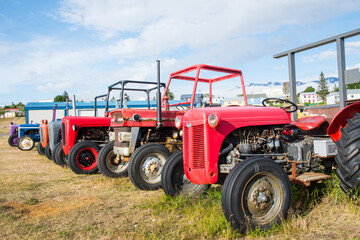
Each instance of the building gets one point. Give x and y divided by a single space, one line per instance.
333 98
13 112
37 111
308 97
252 99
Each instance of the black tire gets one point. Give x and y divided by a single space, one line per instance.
13 140
83 157
59 156
48 152
110 164
40 149
26 143
348 157
174 180
256 194
150 155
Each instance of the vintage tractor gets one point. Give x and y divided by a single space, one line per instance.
44 133
149 136
110 164
82 136
14 136
28 135
344 130
255 152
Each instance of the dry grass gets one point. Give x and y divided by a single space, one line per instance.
4 123
40 200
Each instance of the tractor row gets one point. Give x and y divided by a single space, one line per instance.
255 152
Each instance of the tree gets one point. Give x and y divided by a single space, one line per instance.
336 88
309 89
170 94
61 98
323 89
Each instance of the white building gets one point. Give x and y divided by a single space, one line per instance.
308 97
333 98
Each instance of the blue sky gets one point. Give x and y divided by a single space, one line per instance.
82 46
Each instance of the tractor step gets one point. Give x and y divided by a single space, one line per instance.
308 177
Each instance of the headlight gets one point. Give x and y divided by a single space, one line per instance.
178 122
74 127
213 120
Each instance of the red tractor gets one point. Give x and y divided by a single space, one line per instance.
148 136
83 136
255 152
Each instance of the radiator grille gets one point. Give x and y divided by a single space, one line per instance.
194 147
63 133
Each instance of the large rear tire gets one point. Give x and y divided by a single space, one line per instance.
26 143
146 164
348 157
110 164
174 180
256 194
13 140
83 157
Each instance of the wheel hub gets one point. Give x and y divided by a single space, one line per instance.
26 143
261 198
152 167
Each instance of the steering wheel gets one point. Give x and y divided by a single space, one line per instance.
281 100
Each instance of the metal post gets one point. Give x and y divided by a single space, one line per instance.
292 78
158 99
74 105
341 70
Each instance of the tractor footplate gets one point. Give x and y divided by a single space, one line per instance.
308 177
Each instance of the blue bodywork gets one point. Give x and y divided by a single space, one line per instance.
32 130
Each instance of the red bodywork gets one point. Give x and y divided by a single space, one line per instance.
69 136
201 143
339 121
44 132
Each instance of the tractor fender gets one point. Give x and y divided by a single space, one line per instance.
339 121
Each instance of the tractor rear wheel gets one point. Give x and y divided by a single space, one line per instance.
110 164
174 180
348 157
83 157
26 143
40 149
48 152
146 164
59 156
256 194
13 140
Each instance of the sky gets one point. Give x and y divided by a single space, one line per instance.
82 46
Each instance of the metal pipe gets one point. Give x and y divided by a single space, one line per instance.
74 105
226 150
158 99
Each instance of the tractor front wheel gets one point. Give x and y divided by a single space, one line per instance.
59 156
174 180
348 157
13 140
40 149
26 143
146 164
256 194
83 157
110 164
48 152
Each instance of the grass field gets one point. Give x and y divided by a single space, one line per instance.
40 200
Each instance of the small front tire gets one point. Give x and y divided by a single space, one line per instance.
48 152
40 149
146 164
110 164
256 194
26 143
13 140
174 180
83 157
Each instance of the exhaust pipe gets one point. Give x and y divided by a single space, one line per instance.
74 105
158 99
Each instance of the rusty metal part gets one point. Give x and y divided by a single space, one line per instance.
305 178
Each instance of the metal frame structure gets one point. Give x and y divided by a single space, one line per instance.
340 48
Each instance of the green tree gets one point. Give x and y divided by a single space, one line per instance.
323 89
170 94
59 98
336 88
309 89
353 86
